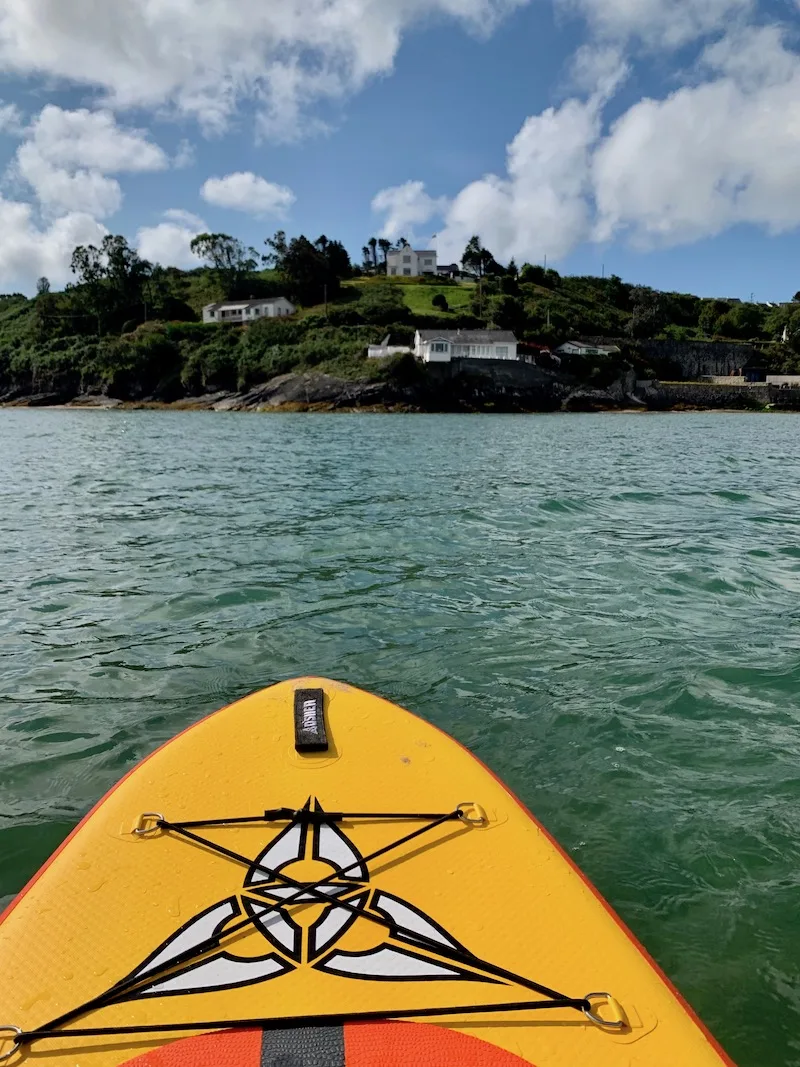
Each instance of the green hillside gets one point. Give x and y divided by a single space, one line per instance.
132 329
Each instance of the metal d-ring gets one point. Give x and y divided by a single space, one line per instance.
462 814
606 1024
142 829
16 1041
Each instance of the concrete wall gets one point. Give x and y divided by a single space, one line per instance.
379 352
696 395
784 399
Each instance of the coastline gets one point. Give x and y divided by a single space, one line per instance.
491 387
378 409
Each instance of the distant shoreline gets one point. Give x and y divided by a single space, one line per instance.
128 406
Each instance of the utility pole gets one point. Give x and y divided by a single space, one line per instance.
545 261
604 270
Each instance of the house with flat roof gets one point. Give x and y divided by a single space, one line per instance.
585 348
239 311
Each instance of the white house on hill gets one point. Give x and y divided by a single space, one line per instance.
406 262
238 311
440 346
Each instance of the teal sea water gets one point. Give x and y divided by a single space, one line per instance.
605 608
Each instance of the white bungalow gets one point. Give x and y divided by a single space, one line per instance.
583 348
440 346
239 311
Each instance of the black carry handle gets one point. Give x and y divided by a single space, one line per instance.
309 721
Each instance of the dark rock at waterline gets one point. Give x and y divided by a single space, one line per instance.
35 400
590 400
461 385
95 400
305 390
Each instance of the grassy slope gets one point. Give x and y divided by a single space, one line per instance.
418 297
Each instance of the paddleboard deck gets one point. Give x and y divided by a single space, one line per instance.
316 876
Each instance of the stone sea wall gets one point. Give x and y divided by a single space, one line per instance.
708 395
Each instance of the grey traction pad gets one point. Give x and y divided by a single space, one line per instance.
305 1046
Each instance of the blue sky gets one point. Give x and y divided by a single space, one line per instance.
655 139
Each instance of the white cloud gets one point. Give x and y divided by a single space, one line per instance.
657 23
245 191
92 139
200 58
177 214
598 69
168 242
10 118
67 156
540 207
59 190
28 251
710 156
185 156
406 206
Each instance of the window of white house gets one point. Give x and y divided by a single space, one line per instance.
406 259
428 262
393 270
439 346
212 314
407 271
502 351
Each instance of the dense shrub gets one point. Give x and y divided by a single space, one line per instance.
383 303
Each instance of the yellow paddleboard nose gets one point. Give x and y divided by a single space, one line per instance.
300 875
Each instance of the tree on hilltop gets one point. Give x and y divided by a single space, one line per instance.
385 246
310 270
479 260
231 261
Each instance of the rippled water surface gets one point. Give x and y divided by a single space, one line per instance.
604 608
